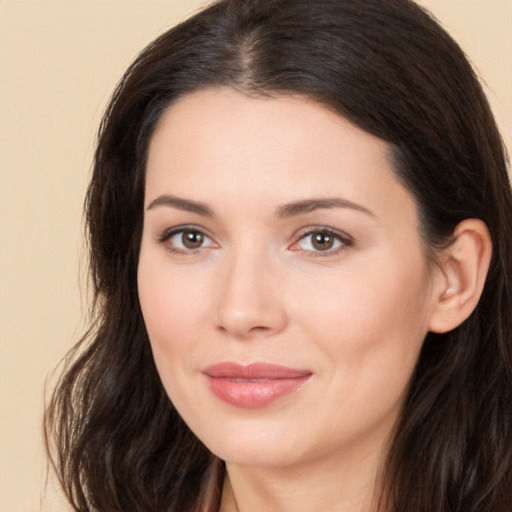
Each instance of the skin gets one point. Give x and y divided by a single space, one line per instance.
258 290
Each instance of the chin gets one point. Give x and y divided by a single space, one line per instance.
255 446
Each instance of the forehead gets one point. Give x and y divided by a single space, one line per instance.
222 145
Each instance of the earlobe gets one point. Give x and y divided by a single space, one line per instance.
463 271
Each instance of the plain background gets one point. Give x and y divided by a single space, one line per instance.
59 61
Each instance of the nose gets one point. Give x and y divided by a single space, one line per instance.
250 302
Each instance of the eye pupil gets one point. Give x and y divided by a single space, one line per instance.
322 241
192 239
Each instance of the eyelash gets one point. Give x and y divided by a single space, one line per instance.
344 241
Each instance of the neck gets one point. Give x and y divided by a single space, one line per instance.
327 485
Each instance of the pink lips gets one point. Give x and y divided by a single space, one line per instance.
255 385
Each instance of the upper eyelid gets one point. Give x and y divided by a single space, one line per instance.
333 231
169 232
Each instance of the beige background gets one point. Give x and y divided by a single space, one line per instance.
59 60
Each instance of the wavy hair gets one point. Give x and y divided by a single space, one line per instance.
116 441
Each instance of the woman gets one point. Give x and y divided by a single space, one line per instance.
299 223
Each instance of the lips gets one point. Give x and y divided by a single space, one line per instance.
255 385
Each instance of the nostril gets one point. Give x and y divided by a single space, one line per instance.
242 331
259 328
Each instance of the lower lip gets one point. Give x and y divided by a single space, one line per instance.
251 394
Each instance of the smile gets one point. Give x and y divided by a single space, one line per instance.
255 385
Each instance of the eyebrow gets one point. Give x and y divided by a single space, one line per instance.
310 205
285 211
182 204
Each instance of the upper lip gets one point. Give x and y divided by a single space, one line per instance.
232 370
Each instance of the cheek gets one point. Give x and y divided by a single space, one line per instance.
176 315
375 308
369 326
170 308
171 312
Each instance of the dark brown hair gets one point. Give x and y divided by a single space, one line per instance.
118 444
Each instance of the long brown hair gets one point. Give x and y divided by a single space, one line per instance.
117 442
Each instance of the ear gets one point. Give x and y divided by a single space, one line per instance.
463 270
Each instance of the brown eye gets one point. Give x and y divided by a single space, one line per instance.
186 241
192 239
322 241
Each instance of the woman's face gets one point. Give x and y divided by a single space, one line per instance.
281 278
